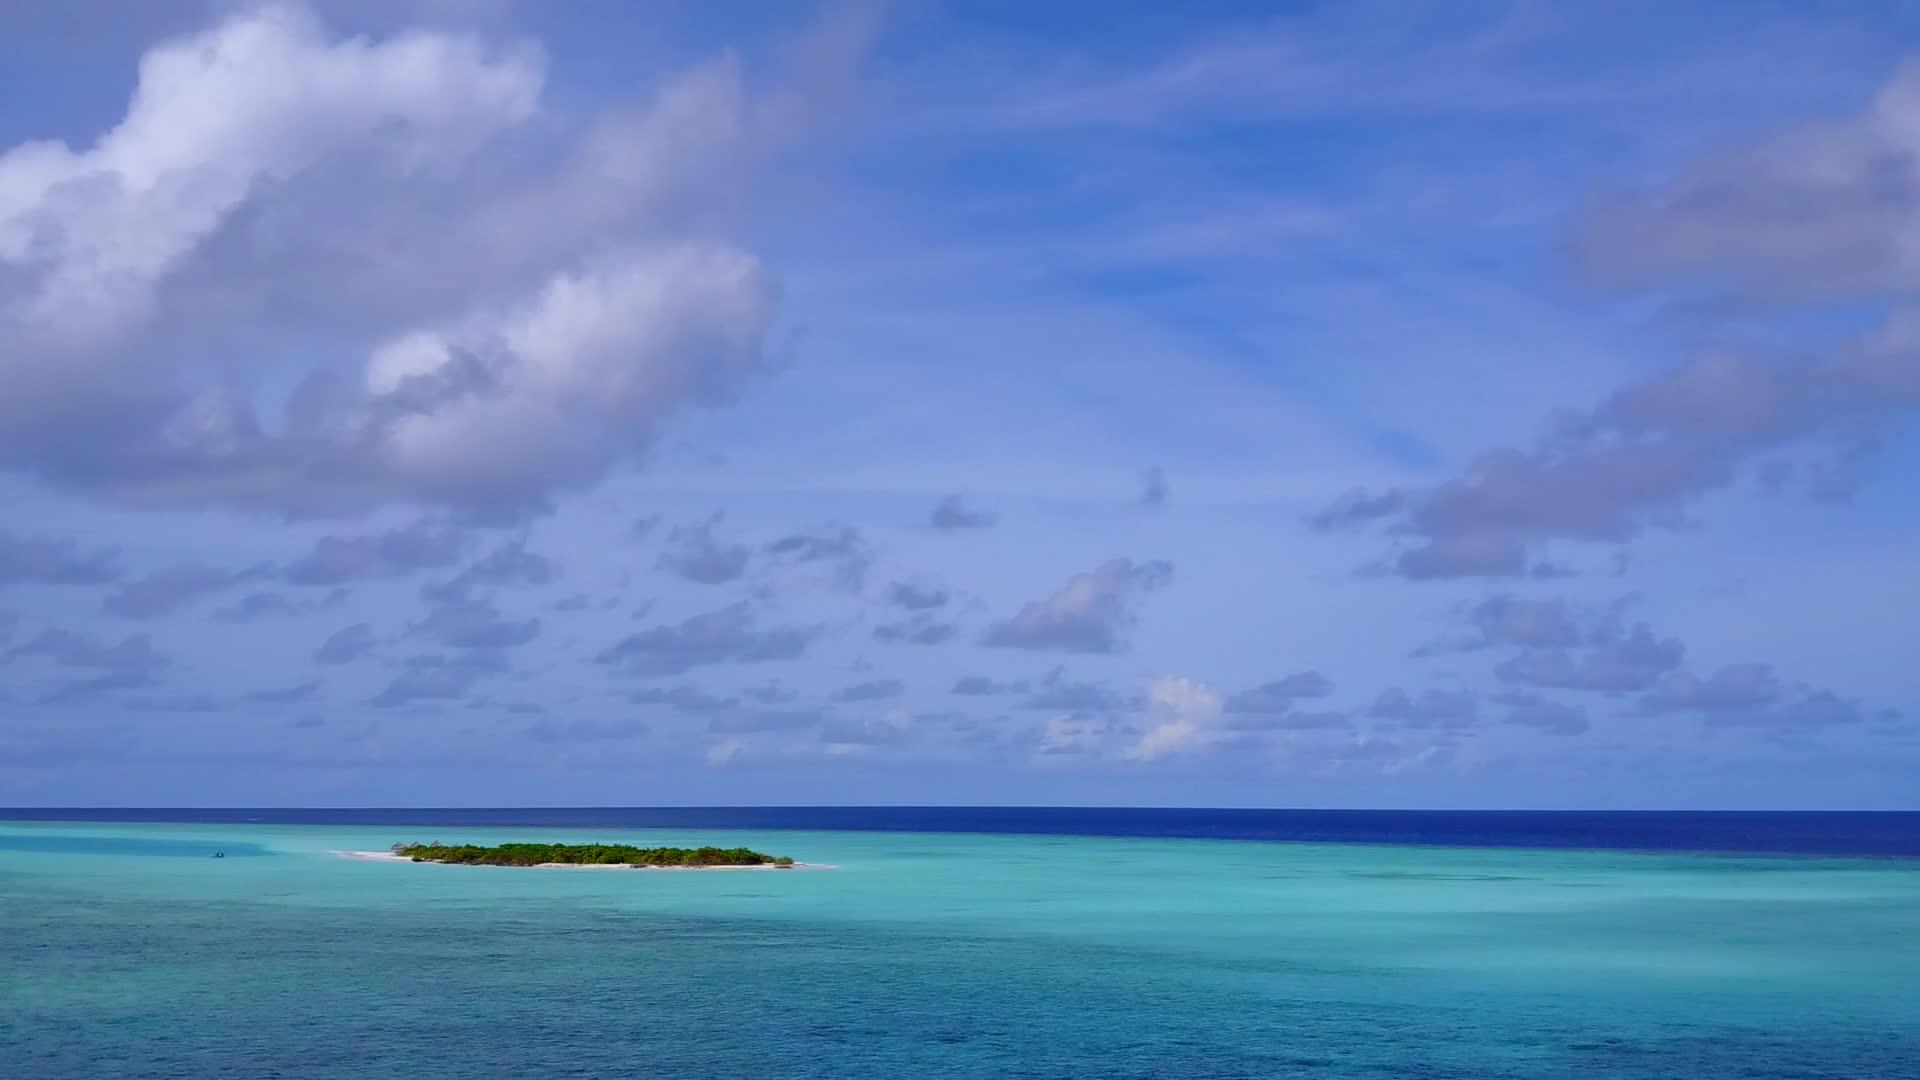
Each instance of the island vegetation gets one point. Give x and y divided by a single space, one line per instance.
587 855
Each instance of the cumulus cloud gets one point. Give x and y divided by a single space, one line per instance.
130 663
1092 613
1075 734
1560 646
505 407
1593 651
685 698
345 645
432 678
164 592
984 685
694 553
1815 708
394 553
919 628
1634 462
70 648
1809 215
952 514
728 635
474 624
97 230
1058 693
1280 695
1504 619
1751 695
89 236
270 605
916 596
1186 712
839 548
1635 660
1544 714
1737 686
552 311
509 564
769 693
33 560
871 690
725 751
287 695
1432 709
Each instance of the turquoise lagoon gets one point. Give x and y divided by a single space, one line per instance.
126 951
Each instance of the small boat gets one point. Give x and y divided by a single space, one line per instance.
219 854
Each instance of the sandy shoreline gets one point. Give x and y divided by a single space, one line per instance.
388 856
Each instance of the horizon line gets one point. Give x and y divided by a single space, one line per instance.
1002 806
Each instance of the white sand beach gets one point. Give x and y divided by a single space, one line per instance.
388 856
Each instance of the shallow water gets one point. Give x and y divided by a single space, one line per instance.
126 951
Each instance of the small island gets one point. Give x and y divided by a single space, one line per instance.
588 855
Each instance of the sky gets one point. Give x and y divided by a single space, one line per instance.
1480 404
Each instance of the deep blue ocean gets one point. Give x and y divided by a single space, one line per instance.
966 942
1844 832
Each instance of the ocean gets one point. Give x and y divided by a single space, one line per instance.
966 942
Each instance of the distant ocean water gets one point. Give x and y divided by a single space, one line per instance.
967 943
1757 832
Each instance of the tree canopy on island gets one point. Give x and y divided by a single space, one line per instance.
586 855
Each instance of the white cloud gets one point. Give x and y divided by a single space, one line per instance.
314 272
862 734
549 393
215 118
1187 709
725 751
1073 733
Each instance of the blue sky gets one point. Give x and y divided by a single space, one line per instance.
1484 404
